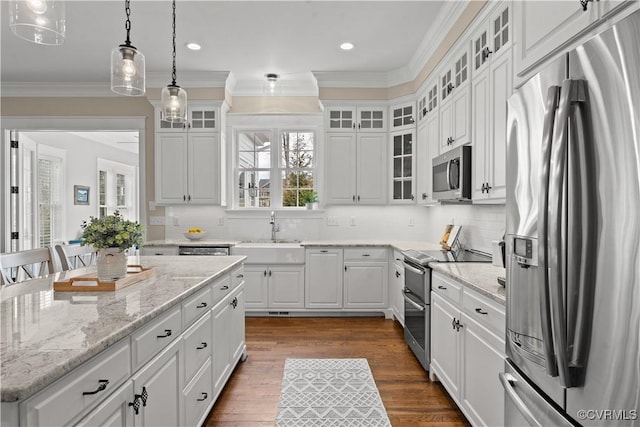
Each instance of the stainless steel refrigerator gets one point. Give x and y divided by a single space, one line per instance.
573 238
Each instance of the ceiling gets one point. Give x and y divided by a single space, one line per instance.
248 39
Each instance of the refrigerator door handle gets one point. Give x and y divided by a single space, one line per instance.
581 269
508 383
556 233
553 96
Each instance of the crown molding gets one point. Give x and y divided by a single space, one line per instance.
352 79
56 90
187 79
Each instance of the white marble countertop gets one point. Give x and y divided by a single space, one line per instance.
187 242
481 277
46 334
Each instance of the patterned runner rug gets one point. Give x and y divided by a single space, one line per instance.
329 392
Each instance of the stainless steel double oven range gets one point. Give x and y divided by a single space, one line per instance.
417 295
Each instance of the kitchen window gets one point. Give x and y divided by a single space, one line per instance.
116 189
279 175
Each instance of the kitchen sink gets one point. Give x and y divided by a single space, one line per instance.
270 252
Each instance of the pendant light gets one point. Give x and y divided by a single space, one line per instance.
127 65
38 21
173 98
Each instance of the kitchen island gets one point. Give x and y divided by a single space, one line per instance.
49 338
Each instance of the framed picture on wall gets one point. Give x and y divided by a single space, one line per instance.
80 195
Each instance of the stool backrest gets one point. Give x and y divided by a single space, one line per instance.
17 267
76 256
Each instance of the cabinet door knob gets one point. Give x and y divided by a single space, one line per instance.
353 198
453 323
204 396
488 187
424 196
485 53
202 346
397 274
225 287
358 198
345 268
239 276
442 287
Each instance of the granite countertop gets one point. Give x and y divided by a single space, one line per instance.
481 277
46 334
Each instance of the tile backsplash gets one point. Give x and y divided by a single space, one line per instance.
480 223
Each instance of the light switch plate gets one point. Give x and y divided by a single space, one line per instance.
332 221
156 220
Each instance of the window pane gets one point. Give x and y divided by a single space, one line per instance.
102 183
407 144
397 167
297 186
120 190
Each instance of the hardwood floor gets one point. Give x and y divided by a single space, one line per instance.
251 396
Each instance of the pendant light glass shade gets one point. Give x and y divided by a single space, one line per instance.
38 21
173 99
127 65
127 71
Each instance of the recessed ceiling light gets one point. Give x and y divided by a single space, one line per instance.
193 46
346 46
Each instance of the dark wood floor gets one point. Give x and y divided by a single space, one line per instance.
251 396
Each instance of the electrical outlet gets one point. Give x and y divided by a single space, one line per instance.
156 220
221 221
412 221
352 221
333 221
173 220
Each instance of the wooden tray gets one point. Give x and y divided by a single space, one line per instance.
91 283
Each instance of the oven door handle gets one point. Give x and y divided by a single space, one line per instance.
413 269
417 306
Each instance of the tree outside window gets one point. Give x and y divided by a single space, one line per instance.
297 167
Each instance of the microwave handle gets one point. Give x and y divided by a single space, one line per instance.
449 174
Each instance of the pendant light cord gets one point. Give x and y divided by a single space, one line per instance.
127 24
173 74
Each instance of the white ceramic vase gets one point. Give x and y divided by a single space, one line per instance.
111 264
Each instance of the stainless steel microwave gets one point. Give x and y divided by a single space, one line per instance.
452 175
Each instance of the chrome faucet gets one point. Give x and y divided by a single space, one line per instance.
274 227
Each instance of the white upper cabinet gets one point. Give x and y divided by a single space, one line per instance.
359 119
455 97
428 140
491 88
544 28
200 118
402 116
356 168
403 166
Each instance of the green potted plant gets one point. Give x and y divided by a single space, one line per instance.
309 198
111 235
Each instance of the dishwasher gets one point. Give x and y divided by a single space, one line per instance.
204 250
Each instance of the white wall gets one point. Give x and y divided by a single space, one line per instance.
480 224
80 169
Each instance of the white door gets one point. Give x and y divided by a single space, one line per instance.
341 168
481 124
256 286
371 168
323 278
171 167
222 351
238 325
445 343
365 285
203 167
286 286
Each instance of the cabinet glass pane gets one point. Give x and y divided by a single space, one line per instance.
377 115
397 122
365 124
397 190
378 124
406 170
397 145
397 112
407 145
334 114
365 114
406 191
397 167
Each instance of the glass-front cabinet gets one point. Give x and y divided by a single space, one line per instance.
359 119
403 166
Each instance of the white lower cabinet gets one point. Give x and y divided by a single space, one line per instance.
323 278
274 286
467 349
157 389
396 288
157 376
365 278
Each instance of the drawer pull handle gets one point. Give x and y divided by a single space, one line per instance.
204 397
366 255
479 311
202 346
224 288
442 287
240 276
167 333
201 305
453 323
324 251
102 384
